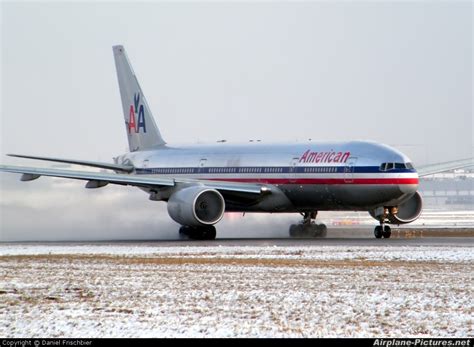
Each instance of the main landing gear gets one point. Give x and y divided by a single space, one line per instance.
207 232
382 230
308 227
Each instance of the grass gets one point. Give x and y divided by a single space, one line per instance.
203 260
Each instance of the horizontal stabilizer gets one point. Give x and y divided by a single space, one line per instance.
115 167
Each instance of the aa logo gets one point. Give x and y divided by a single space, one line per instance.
136 120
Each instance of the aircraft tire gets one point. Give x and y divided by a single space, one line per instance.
322 230
387 232
313 230
198 233
184 232
298 230
294 230
378 232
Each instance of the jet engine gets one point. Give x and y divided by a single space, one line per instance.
404 213
196 206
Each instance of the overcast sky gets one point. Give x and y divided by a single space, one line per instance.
394 72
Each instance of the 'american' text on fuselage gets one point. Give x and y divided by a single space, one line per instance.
324 157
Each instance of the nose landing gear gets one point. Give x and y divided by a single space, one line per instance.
382 230
383 215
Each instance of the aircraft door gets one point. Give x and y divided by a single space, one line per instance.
202 165
349 170
293 169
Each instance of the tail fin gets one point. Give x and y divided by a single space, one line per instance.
141 128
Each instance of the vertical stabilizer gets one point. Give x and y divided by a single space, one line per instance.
140 126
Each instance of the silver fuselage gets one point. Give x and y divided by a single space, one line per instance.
313 176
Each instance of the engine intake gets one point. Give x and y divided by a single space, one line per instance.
409 211
196 206
404 213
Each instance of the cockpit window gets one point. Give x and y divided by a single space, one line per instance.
398 166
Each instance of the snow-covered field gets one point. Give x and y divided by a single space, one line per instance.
241 291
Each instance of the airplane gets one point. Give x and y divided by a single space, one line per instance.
202 182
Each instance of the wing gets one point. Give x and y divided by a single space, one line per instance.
100 179
445 166
115 167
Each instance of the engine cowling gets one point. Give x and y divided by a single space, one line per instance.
196 206
407 212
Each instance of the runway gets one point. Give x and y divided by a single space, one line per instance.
339 235
278 242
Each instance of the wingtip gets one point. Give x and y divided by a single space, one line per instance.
118 48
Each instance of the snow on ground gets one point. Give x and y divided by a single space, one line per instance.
308 291
407 253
